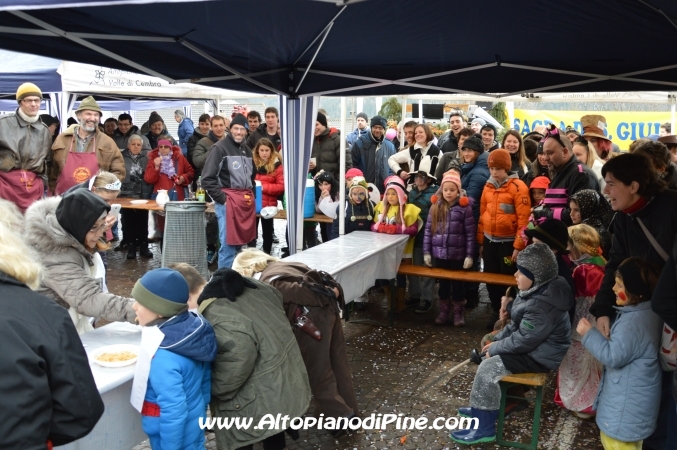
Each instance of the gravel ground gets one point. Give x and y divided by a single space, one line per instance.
404 371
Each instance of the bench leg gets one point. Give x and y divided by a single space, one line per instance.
501 414
393 302
537 417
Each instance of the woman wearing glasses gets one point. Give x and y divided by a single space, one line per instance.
66 232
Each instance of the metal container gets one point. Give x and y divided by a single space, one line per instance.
184 237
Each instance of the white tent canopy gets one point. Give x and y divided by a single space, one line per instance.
88 79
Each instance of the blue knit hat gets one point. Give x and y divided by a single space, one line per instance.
163 291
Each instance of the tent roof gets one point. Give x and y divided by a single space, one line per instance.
17 68
373 47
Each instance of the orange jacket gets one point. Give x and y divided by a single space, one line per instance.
504 210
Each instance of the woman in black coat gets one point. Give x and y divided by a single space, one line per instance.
48 394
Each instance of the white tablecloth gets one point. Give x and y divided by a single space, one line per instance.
356 260
120 425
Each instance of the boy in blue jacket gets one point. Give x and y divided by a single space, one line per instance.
179 381
536 340
630 391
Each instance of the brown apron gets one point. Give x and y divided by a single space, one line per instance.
240 216
78 168
21 187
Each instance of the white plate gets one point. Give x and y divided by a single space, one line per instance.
138 202
113 349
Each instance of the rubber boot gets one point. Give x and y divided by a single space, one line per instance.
445 309
485 432
131 251
459 313
400 305
144 250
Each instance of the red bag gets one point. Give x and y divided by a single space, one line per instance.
240 216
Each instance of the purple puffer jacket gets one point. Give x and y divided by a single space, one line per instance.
456 241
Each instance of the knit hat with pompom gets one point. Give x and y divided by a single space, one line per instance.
451 177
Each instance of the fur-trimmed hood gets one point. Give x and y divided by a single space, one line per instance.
44 233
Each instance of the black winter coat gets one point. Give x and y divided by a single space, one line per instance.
573 177
47 390
660 218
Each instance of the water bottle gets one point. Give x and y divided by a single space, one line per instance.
259 197
200 194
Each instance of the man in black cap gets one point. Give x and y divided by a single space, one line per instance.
230 167
371 151
327 149
360 131
157 128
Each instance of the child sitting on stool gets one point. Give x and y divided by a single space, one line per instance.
535 341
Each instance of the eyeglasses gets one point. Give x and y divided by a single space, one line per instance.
28 101
96 229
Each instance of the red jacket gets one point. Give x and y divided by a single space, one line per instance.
272 184
162 181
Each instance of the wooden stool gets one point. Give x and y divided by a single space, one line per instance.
535 380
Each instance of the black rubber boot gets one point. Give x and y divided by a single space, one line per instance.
131 251
144 250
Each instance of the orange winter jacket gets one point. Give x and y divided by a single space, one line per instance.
504 210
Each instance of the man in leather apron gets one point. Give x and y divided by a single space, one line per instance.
24 150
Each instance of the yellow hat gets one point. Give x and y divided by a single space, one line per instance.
27 89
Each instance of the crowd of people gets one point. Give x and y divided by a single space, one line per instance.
589 234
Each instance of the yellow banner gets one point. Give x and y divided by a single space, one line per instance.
622 127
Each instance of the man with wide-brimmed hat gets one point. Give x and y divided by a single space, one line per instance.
594 127
24 149
670 142
82 150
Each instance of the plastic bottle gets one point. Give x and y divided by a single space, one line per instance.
200 194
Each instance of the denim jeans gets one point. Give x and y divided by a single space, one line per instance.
226 252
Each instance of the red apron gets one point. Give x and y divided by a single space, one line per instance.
78 168
240 216
21 187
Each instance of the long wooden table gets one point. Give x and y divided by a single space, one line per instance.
150 205
282 214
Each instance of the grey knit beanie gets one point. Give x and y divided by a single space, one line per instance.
538 263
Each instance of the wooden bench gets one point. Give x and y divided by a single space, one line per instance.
535 380
463 275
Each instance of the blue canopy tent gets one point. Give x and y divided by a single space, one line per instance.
304 48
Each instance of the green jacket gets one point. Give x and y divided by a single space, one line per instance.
258 369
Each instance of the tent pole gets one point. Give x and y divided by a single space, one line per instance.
342 170
89 45
450 72
228 68
403 141
329 25
319 47
227 77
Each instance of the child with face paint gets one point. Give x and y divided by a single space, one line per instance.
627 402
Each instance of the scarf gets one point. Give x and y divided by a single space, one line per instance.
167 166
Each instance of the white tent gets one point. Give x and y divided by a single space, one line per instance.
89 79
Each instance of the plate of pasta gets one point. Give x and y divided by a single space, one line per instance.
118 355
